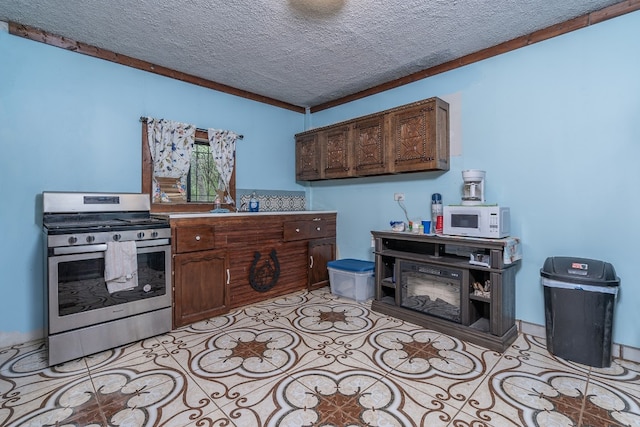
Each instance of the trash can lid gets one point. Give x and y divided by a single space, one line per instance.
349 264
584 271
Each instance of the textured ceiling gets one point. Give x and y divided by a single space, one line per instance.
292 50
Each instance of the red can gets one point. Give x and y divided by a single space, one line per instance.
439 224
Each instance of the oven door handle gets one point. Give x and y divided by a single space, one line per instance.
102 247
67 250
149 243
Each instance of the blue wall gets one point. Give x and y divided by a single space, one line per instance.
556 125
69 122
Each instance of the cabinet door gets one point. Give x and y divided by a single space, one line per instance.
201 289
420 138
338 156
370 150
308 157
321 251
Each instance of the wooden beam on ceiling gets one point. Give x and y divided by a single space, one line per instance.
583 21
38 35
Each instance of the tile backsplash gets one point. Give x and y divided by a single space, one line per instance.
273 200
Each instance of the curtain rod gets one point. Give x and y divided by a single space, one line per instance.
144 120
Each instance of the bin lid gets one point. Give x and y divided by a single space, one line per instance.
583 271
350 264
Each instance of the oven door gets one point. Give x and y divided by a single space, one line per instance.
78 295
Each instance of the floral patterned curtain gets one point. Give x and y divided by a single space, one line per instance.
223 148
170 144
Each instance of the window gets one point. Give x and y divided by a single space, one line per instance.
200 191
203 178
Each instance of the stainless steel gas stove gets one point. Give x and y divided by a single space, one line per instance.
84 314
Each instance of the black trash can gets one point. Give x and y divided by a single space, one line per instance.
579 298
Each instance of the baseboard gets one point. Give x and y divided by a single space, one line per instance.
8 339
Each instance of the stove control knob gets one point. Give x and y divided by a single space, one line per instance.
154 234
90 239
140 234
72 240
117 237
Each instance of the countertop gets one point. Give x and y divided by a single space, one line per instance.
242 213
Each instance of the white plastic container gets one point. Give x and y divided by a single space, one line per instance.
352 278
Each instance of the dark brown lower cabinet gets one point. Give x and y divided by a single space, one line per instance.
224 262
321 251
203 290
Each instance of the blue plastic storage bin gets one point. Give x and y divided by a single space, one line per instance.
352 278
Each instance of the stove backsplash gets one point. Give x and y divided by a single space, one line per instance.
272 200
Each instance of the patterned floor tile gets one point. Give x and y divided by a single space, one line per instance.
440 366
123 354
336 324
195 331
72 403
282 306
488 405
243 344
229 365
158 397
246 400
607 405
352 398
462 419
314 359
622 373
152 389
32 355
27 384
23 377
527 357
525 397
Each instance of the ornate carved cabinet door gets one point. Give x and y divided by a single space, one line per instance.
308 157
371 151
338 157
420 138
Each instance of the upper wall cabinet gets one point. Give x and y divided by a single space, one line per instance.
420 137
308 157
337 157
371 146
410 138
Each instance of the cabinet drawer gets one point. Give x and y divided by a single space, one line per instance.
308 229
191 239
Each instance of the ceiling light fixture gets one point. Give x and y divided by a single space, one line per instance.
317 7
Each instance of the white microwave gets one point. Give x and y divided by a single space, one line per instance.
492 222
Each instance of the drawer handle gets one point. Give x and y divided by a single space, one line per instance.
318 228
198 238
297 230
317 219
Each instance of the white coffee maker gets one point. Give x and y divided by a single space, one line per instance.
473 189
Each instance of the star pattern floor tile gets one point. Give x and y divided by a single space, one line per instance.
318 360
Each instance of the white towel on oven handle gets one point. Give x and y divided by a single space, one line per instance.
121 266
